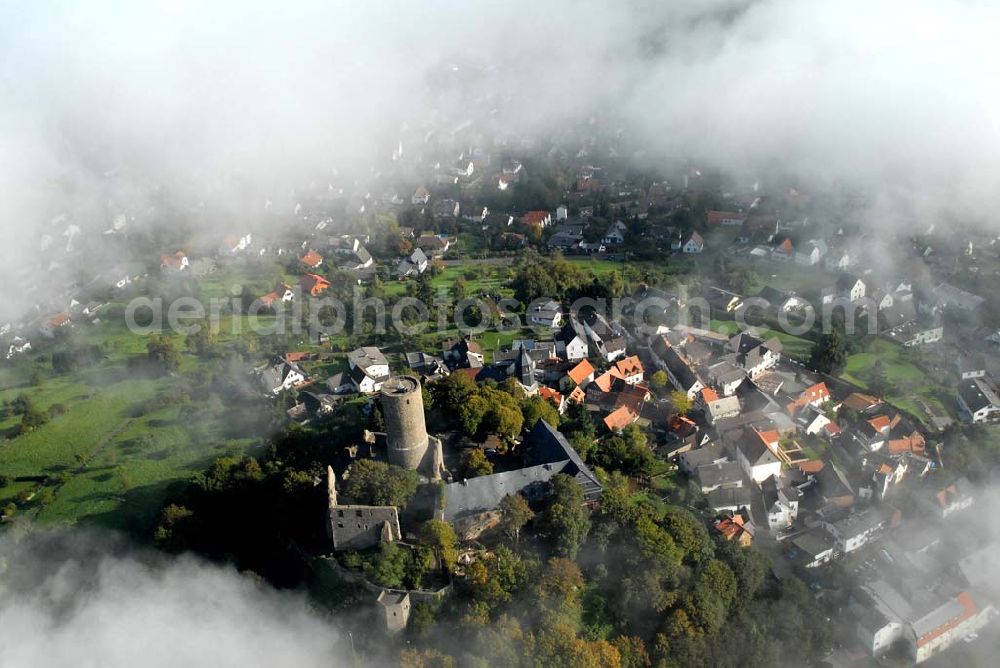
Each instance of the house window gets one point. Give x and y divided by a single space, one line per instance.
340 525
358 513
340 513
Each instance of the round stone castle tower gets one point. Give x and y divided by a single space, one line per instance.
405 430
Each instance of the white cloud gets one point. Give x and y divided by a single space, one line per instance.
76 599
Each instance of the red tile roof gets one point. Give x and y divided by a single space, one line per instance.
607 379
716 217
620 418
858 402
630 366
535 217
880 423
581 372
552 395
811 466
969 609
314 284
709 395
173 261
311 259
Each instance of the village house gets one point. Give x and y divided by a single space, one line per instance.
433 244
858 529
281 294
753 355
280 375
234 244
715 407
53 324
977 401
368 369
693 244
620 418
811 253
725 218
554 397
735 528
545 313
174 263
970 366
445 208
311 259
630 370
681 375
412 265
313 284
607 339
17 346
420 196
757 454
580 376
462 354
539 219
781 502
571 341
912 334
615 233
953 497
815 395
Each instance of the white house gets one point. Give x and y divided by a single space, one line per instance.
781 502
18 346
753 355
615 233
545 313
235 243
174 263
370 359
571 342
693 244
420 196
857 290
562 213
631 370
280 375
858 529
977 401
756 453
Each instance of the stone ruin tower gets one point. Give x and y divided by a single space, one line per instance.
406 432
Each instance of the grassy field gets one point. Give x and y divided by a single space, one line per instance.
109 457
906 380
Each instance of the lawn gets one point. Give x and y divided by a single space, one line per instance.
105 459
906 380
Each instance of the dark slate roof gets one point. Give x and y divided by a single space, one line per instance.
976 394
547 446
754 449
548 453
571 330
712 452
678 367
476 495
723 473
727 497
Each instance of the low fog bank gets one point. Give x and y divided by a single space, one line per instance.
151 110
73 597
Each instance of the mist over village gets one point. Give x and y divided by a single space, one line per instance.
436 334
